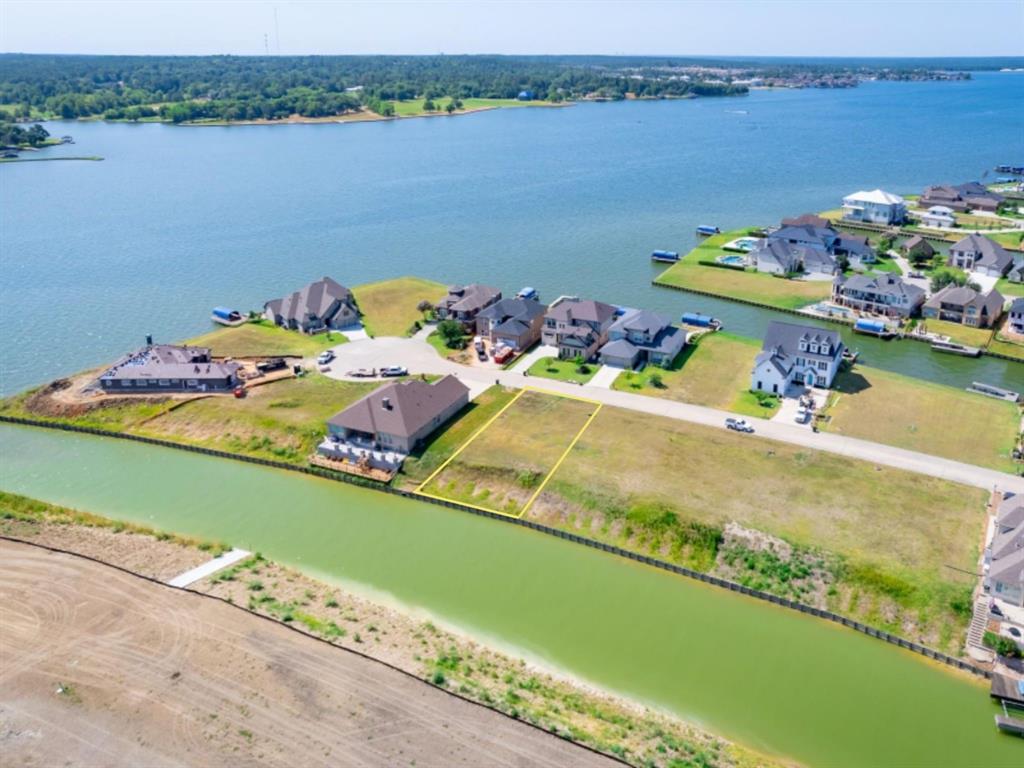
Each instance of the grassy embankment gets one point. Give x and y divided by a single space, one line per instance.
389 306
870 542
563 370
745 285
921 416
503 475
414 107
961 334
263 338
715 372
637 735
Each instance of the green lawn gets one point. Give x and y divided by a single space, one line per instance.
506 463
747 285
921 416
265 338
1009 289
1011 240
961 334
414 107
1009 348
389 307
714 372
562 370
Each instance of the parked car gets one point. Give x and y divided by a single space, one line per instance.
325 357
802 416
394 370
1015 632
739 425
482 355
362 372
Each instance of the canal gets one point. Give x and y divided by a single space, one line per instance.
773 679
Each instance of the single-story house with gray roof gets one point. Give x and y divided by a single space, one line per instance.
316 307
168 368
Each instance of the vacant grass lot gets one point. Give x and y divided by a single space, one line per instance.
265 338
283 420
961 334
505 464
735 284
389 307
562 370
910 413
1008 348
714 372
1009 289
666 488
446 441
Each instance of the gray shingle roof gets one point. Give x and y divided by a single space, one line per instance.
166 361
885 284
413 405
521 309
313 300
1011 511
992 254
619 348
782 344
585 311
468 298
642 321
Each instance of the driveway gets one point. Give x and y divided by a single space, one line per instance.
987 282
604 377
419 357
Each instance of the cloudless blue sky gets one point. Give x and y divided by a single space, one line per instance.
694 27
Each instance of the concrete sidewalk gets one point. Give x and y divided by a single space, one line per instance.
605 377
208 568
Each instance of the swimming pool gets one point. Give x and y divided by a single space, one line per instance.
744 244
737 261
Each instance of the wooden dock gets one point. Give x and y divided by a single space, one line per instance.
1006 689
1008 724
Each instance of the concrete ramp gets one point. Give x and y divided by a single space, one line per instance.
208 568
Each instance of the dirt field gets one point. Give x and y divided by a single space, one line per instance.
103 668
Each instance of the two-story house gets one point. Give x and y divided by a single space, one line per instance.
800 355
960 304
319 306
1016 319
516 323
1004 556
577 327
465 302
977 253
875 207
961 197
883 294
640 337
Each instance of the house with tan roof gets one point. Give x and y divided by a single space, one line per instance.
383 427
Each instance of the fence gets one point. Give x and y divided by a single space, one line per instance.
680 570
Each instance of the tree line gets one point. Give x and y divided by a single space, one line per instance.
272 87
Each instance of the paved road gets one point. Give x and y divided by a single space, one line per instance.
420 357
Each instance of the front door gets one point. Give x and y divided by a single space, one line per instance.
809 378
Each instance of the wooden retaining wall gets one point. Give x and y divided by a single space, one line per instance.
680 570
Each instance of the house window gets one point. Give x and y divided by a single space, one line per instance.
803 346
775 388
126 382
165 383
760 385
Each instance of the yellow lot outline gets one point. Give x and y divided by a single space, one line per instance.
572 444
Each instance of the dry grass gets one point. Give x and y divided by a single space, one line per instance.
852 508
921 416
505 464
389 307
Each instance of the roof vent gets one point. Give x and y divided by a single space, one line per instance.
386 403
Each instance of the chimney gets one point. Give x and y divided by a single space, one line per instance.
386 403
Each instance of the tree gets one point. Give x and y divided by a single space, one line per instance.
656 380
425 308
451 333
429 106
947 276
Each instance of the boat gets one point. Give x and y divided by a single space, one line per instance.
981 388
1016 170
666 256
701 321
850 355
955 349
528 293
706 230
225 316
873 328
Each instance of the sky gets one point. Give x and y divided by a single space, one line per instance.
642 27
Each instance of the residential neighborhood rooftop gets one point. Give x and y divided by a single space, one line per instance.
401 408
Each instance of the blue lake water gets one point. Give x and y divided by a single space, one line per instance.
176 220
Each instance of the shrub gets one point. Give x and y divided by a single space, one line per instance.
656 380
451 333
1004 646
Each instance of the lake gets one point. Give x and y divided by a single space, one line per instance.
771 678
177 220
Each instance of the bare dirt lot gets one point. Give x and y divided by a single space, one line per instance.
99 667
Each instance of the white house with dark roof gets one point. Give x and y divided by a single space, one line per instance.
800 355
977 253
939 217
1016 316
386 425
781 257
640 337
1004 556
875 207
321 305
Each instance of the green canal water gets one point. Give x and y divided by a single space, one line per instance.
770 678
